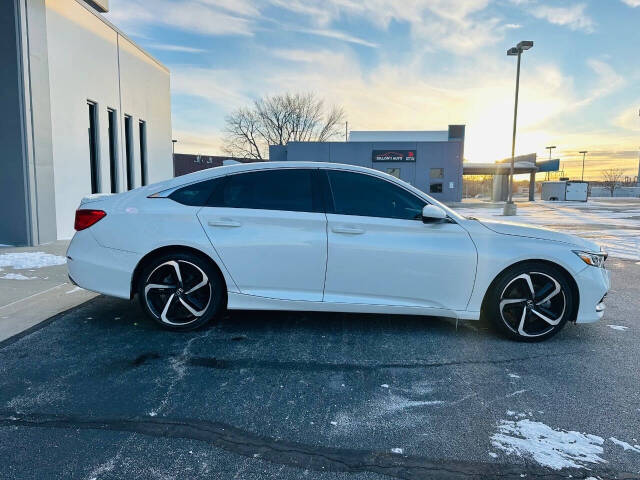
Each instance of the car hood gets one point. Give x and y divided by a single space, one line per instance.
520 230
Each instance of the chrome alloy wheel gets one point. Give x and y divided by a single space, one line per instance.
532 304
178 292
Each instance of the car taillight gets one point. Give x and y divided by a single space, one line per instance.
86 218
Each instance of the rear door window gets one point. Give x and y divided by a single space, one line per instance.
286 189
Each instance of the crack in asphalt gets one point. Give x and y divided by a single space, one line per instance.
300 455
303 365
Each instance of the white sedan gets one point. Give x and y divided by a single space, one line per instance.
327 237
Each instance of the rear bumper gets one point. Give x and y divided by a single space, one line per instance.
100 269
593 284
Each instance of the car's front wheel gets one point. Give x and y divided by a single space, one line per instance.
181 291
530 302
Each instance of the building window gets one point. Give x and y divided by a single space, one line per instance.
143 152
128 151
395 172
437 173
113 149
435 188
93 147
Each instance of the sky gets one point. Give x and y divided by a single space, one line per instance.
409 65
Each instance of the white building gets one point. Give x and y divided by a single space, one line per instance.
84 110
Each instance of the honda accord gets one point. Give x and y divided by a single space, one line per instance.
327 237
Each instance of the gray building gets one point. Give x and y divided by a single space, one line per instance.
428 160
84 110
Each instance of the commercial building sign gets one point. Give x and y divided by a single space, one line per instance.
394 155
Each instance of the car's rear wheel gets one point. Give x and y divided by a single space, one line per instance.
530 302
181 291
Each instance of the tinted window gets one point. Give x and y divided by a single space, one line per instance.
435 188
197 194
358 194
267 190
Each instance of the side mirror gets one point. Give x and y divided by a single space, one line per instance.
433 214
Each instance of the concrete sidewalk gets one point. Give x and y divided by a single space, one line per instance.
34 286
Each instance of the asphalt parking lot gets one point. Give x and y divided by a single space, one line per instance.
100 393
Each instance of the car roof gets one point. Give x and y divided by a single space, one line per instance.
254 166
268 165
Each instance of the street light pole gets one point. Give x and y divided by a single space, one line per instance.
549 148
584 154
510 207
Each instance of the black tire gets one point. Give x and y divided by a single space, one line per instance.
530 302
181 291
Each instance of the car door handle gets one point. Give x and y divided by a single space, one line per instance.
348 230
224 222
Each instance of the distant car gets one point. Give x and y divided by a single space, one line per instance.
327 237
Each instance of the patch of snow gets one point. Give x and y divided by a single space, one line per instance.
179 366
626 446
74 290
552 448
513 375
517 392
397 450
26 260
493 455
16 276
334 423
384 385
620 328
394 403
105 467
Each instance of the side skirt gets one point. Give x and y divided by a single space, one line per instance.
239 301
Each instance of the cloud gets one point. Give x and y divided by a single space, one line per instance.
299 55
223 88
632 3
207 17
240 7
174 48
459 26
336 34
608 80
629 119
573 17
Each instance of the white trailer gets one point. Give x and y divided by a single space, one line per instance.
577 191
565 191
555 191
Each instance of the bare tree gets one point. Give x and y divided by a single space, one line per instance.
277 120
611 178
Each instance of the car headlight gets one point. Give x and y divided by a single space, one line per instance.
593 259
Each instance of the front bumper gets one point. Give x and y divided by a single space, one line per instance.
593 285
